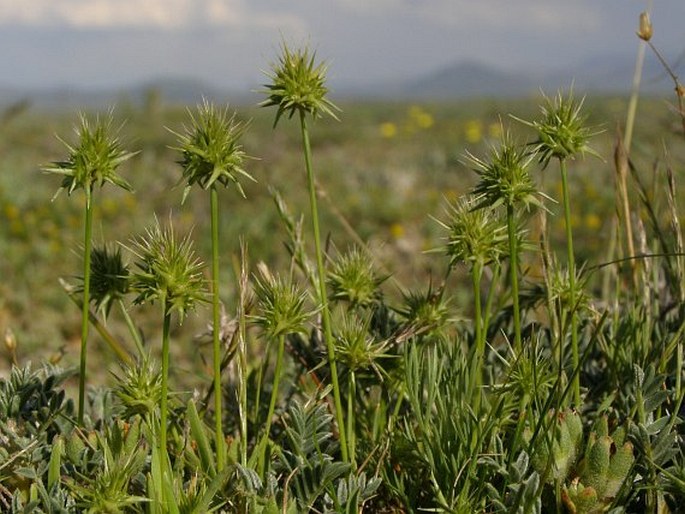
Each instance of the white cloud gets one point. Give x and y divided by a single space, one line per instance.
160 14
545 15
542 15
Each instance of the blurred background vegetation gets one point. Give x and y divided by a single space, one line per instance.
384 170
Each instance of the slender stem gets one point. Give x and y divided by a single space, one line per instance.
135 333
108 338
272 403
165 387
513 276
477 371
571 282
351 436
86 304
323 297
216 331
242 353
635 93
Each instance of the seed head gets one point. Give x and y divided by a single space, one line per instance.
475 236
109 277
646 30
298 85
211 150
353 279
562 132
504 178
168 271
425 311
139 388
10 341
94 161
356 347
281 306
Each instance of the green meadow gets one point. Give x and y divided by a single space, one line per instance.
467 306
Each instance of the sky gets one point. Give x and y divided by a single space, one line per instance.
229 43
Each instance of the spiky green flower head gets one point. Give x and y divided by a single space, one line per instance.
168 271
298 85
139 388
94 160
504 177
559 285
425 311
211 149
356 347
474 236
281 305
352 279
109 277
562 130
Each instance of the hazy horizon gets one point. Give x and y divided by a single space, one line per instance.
227 43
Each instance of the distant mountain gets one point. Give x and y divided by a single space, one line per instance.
608 74
177 90
605 74
469 79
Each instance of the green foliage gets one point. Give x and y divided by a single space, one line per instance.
443 410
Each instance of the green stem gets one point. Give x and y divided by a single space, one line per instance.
216 332
351 436
323 297
86 304
135 333
272 403
571 282
242 354
165 387
477 371
513 275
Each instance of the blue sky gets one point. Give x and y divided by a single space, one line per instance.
105 43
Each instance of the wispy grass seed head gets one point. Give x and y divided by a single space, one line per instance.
168 271
562 131
474 236
94 160
504 178
281 306
211 150
298 85
353 279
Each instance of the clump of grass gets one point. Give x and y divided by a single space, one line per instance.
92 162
